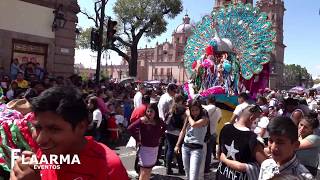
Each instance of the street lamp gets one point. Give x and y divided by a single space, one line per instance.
59 20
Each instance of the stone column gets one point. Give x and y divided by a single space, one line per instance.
65 41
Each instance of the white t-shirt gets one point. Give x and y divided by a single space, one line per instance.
214 116
313 105
137 99
262 124
97 117
164 105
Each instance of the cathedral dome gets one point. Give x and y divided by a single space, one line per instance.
185 27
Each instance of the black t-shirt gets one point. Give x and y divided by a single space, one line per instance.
236 145
175 120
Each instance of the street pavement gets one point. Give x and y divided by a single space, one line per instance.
127 156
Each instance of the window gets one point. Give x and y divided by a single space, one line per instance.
27 52
161 71
168 71
156 71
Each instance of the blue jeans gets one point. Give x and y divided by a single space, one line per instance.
171 142
192 160
211 148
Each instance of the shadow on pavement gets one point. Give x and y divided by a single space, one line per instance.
166 177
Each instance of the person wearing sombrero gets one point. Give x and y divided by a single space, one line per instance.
21 105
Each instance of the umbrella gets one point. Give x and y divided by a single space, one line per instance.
127 80
153 82
297 90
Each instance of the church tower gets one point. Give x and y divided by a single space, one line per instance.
219 3
275 11
180 37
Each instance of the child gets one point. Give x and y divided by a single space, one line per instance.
283 143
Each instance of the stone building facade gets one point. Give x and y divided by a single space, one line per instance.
26 33
275 10
165 61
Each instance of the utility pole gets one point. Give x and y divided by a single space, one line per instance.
100 41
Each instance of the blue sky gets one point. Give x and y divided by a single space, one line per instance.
301 28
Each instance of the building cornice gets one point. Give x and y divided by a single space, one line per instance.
72 5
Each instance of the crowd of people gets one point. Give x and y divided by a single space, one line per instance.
274 134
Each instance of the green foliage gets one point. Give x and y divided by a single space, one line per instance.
136 18
84 76
295 75
104 74
141 18
147 16
83 41
316 81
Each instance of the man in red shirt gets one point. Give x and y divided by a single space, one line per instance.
140 110
60 123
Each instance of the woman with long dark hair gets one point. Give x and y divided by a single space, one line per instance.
193 137
147 132
308 152
174 120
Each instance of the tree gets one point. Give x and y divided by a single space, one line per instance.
83 41
295 75
316 81
139 18
136 18
99 20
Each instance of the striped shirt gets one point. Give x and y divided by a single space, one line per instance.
270 168
252 170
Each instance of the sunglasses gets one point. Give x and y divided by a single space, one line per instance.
255 109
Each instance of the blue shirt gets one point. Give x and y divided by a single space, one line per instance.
14 69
